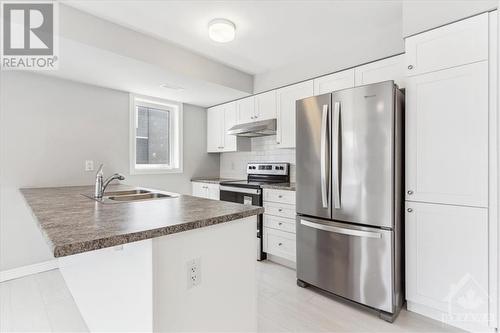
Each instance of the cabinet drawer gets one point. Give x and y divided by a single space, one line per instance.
281 196
279 223
279 243
452 45
279 209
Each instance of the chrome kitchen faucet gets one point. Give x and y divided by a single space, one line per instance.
101 184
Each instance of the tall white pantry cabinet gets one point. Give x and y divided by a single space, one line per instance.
451 154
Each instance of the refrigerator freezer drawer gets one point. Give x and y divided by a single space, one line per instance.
349 261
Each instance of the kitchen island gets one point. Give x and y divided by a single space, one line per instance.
129 264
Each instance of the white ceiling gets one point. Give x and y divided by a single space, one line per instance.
270 34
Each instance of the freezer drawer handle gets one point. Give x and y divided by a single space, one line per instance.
343 231
323 166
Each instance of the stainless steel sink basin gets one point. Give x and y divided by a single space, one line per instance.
134 197
129 192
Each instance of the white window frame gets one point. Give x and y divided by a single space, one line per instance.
176 125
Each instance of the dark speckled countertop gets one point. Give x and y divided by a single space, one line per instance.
280 186
72 223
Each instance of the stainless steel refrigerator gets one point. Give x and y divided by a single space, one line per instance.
349 201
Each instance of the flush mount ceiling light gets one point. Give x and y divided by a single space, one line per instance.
221 30
171 87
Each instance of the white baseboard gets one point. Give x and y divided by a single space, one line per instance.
439 315
19 272
282 261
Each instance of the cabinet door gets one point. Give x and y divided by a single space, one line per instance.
452 45
265 105
286 98
245 109
392 68
230 119
199 189
447 136
215 123
446 247
213 192
335 81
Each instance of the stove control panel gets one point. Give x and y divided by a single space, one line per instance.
268 168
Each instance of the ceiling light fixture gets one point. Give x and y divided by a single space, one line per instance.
172 87
221 30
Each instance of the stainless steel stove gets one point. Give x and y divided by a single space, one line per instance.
249 192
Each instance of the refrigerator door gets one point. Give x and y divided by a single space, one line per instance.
349 261
362 150
313 119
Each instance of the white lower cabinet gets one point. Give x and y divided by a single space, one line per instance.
279 223
205 190
279 243
447 258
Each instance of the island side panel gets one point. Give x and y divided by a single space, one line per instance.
226 298
113 287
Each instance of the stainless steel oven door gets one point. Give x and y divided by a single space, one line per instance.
347 260
242 195
246 196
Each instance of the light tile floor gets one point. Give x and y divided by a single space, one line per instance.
43 303
39 303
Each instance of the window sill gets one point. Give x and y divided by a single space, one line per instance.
154 171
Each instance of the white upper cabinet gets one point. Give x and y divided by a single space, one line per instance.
230 119
453 45
265 105
215 129
447 136
245 109
446 246
219 120
286 98
392 68
335 81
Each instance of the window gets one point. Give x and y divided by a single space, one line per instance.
155 135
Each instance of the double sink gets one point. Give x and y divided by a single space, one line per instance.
131 195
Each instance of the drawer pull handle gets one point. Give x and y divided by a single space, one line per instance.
280 196
410 192
279 244
410 67
280 210
280 223
409 210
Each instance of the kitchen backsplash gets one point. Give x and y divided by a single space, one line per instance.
264 149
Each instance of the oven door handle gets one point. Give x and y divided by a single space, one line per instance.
240 189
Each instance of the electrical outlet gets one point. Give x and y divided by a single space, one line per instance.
89 165
193 272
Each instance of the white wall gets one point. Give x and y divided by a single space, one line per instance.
421 15
49 127
264 149
359 47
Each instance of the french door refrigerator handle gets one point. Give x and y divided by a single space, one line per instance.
336 156
323 164
343 231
